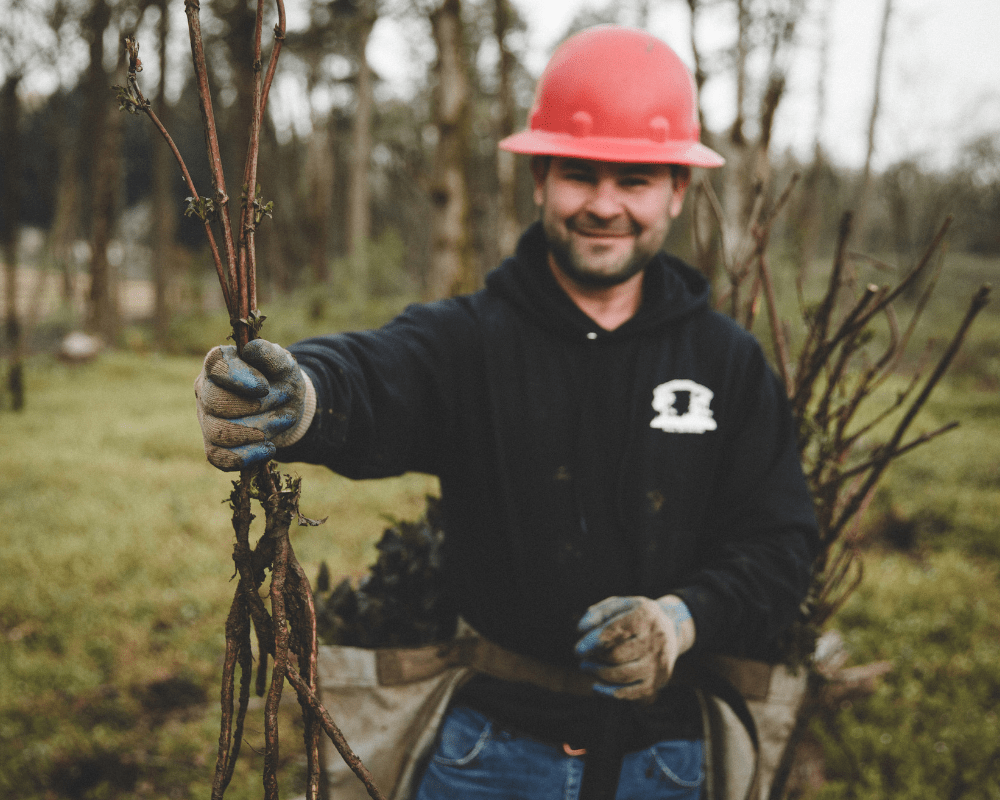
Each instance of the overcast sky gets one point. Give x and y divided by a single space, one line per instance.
941 89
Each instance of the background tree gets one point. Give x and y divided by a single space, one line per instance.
359 224
806 212
508 224
766 32
20 52
452 268
10 228
102 129
861 203
163 194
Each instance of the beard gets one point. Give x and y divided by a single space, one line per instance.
581 267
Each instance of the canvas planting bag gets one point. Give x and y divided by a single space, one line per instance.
388 716
389 703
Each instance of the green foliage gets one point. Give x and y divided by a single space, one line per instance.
400 602
255 321
127 100
203 208
947 490
386 263
260 208
931 729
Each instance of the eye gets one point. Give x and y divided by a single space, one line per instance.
634 180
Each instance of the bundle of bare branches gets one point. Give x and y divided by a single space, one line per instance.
290 625
832 382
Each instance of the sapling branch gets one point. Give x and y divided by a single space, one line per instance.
131 99
911 276
923 438
308 696
291 623
918 310
221 199
863 390
831 380
892 449
815 349
706 191
777 335
279 517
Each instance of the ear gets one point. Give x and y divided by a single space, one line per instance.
539 171
681 179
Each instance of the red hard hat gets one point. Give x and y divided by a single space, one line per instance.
612 93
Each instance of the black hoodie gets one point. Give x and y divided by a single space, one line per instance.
578 463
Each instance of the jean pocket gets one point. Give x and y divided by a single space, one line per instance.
463 736
680 762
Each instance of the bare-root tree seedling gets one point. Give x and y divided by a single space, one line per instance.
832 379
290 626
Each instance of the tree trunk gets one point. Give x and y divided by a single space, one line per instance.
316 205
862 202
738 181
273 247
103 313
808 212
736 133
704 233
104 139
699 73
10 226
452 268
359 201
748 170
66 220
164 215
508 227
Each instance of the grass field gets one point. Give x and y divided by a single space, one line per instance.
117 563
117 579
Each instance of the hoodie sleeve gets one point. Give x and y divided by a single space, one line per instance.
384 396
757 557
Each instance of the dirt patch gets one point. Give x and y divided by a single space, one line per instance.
172 694
75 778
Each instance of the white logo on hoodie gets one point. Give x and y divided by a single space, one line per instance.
697 419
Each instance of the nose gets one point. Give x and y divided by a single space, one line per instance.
605 199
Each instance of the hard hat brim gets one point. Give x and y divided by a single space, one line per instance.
602 148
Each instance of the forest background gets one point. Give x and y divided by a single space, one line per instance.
387 188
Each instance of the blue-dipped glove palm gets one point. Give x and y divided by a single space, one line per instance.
632 643
250 406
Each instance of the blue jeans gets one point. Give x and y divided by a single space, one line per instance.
475 761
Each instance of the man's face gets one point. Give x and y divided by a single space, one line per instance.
604 220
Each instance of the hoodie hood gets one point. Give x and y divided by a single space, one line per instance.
671 289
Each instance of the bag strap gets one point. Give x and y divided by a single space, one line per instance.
398 666
734 680
717 685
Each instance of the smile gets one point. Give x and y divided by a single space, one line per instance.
614 232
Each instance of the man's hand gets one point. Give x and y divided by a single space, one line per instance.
632 643
249 407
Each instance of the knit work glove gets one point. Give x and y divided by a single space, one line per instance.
631 644
249 407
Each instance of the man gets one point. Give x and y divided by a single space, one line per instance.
617 462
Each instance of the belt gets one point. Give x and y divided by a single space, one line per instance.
400 666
